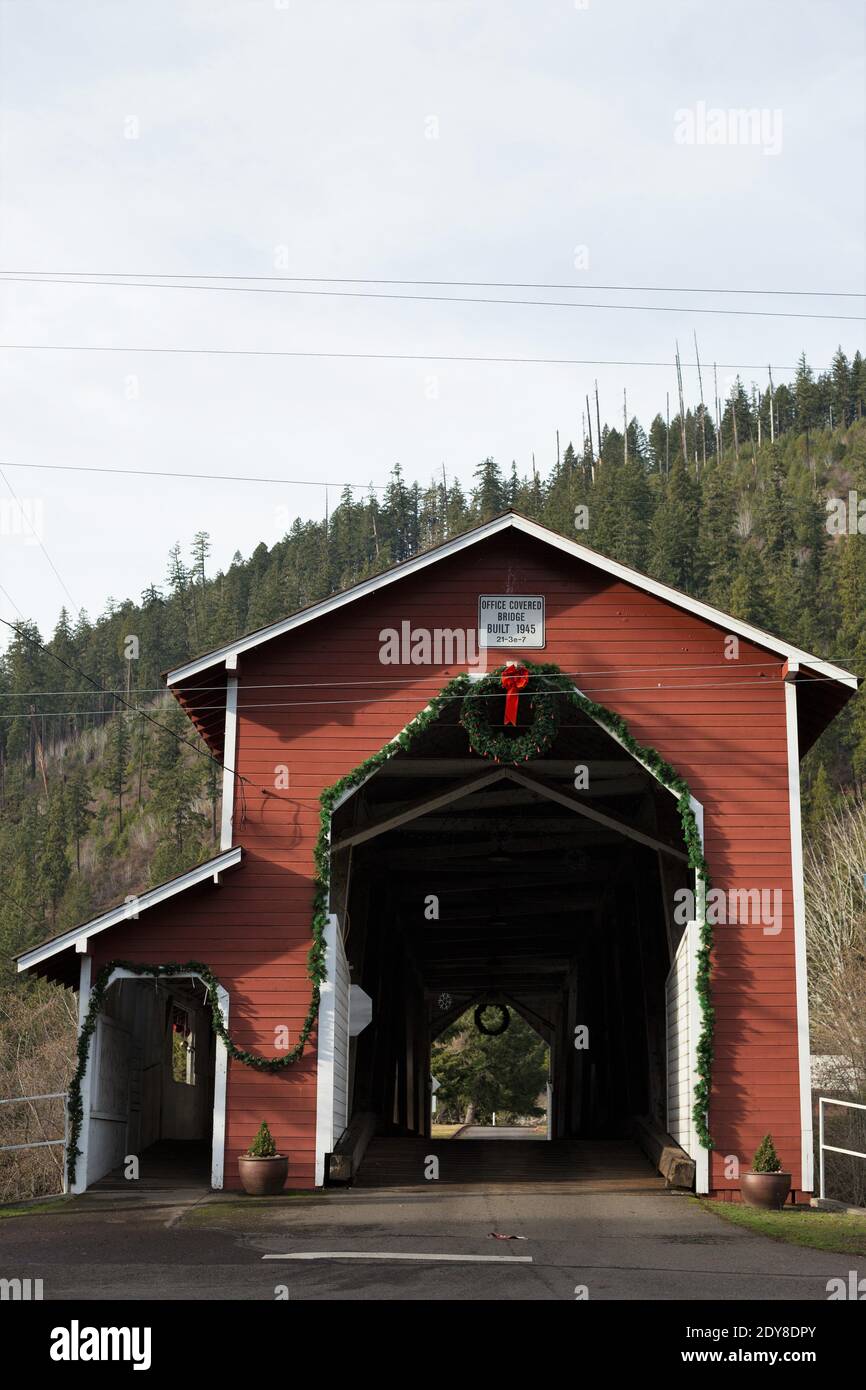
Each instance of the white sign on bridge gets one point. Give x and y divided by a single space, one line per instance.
510 620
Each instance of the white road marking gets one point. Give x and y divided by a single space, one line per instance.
390 1255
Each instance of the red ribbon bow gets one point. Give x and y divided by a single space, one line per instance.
513 678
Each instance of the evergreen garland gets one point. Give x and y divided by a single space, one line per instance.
548 684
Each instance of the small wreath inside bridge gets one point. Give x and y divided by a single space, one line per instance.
539 694
504 1019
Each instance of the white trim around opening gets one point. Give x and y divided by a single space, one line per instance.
325 1068
218 1132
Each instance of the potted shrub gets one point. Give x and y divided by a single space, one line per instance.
766 1185
262 1170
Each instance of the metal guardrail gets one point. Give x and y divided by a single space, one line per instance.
832 1148
42 1143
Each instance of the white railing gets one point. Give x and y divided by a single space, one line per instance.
831 1148
41 1143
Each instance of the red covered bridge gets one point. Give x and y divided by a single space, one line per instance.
377 808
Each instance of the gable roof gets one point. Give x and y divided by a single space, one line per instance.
129 910
227 655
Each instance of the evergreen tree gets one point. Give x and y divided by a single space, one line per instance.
658 445
399 522
479 1074
749 597
775 517
78 813
819 801
674 537
52 864
431 516
806 403
457 512
200 551
842 389
25 893
716 559
488 497
737 420
117 760
78 903
620 511
858 385
177 782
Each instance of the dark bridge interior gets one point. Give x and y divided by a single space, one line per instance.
456 879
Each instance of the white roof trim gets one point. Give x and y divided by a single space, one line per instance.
128 911
541 533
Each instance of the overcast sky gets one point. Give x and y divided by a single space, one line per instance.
541 141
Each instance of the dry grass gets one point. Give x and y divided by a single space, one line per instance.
37 1049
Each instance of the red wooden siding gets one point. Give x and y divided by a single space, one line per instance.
721 724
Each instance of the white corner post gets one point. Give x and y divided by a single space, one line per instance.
325 1061
79 1182
230 747
700 1154
799 900
221 1067
333 1042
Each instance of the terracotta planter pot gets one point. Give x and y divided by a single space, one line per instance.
263 1177
767 1190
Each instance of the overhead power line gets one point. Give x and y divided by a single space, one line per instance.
388 356
219 707
209 477
444 284
436 298
411 692
198 689
40 543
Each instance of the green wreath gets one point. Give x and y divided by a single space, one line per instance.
504 1019
500 746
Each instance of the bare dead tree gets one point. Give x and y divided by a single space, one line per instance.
598 421
836 952
682 409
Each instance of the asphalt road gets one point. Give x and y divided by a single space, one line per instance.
615 1246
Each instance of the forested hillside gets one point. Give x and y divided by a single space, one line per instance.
97 800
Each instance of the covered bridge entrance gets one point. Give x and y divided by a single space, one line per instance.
547 887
